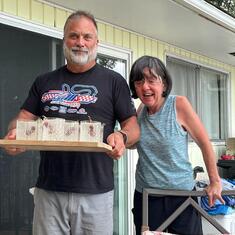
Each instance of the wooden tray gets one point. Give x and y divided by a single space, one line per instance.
56 145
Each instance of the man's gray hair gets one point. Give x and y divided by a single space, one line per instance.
77 15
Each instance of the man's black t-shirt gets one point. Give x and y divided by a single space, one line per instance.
99 93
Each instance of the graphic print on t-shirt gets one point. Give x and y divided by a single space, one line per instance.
69 99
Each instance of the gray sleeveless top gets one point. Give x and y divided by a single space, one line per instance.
163 151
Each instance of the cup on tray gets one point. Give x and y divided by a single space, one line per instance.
91 131
52 129
26 130
71 130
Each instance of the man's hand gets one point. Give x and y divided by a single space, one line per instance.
11 135
118 147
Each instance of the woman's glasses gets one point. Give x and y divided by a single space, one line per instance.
149 80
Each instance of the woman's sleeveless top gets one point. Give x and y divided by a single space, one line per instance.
163 151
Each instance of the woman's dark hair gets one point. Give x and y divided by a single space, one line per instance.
153 64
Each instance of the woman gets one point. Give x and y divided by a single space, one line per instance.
165 122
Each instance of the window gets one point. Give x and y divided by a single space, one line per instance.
206 89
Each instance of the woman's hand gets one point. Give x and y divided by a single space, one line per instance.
213 191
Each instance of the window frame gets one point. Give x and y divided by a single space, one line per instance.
126 55
216 69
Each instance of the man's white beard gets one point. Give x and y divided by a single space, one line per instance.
80 58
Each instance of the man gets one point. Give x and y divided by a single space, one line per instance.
74 190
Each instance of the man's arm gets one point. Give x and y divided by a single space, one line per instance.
131 128
117 140
23 115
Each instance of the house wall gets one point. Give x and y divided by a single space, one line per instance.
54 17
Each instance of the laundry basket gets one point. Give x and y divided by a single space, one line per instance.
189 201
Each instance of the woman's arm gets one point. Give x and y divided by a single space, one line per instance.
190 121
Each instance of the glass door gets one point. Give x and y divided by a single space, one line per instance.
23 56
119 61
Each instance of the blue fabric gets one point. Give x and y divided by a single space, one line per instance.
219 208
229 200
227 185
231 181
163 151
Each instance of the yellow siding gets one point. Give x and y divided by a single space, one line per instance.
202 59
161 51
10 6
60 18
49 15
109 34
118 37
126 39
177 51
24 10
187 54
213 63
166 49
148 46
172 50
37 11
0 5
134 46
154 48
193 55
101 31
141 51
183 54
197 57
68 13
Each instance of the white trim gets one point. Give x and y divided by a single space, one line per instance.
126 55
117 52
229 100
30 26
114 51
132 158
192 61
53 54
